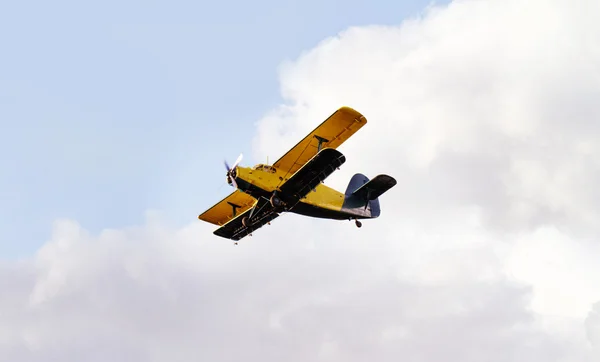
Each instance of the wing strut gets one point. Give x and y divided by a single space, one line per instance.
234 207
321 141
260 204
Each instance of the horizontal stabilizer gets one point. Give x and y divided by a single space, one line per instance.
375 187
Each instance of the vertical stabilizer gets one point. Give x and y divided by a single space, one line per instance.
355 182
362 194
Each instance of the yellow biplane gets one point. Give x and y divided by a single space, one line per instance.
294 183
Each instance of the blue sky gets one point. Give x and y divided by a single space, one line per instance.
111 109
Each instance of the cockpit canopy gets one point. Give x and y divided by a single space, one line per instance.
265 168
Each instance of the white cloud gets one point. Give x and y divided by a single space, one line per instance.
486 248
152 293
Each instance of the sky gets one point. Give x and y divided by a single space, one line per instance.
111 109
483 110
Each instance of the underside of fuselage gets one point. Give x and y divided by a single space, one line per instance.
322 202
344 213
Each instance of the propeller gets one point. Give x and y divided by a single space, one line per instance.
231 171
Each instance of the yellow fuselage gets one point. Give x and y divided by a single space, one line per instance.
262 180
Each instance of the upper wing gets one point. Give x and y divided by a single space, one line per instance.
223 211
258 216
336 129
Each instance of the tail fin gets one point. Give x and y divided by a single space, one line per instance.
362 193
355 183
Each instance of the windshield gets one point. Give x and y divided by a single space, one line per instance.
266 168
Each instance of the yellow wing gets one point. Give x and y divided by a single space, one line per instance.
336 129
223 211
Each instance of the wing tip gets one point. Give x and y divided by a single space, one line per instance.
356 114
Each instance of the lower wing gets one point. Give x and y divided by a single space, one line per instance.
248 221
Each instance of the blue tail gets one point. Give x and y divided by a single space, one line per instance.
362 194
355 182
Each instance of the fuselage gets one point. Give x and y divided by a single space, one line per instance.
322 202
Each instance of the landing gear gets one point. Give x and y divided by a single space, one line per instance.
246 222
358 223
276 201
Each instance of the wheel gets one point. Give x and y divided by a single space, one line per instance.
246 222
358 224
276 201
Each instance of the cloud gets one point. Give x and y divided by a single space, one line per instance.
593 327
465 91
153 293
486 248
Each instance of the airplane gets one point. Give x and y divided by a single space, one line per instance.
294 183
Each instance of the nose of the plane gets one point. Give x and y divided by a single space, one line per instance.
231 176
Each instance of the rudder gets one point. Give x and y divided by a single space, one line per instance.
362 194
355 183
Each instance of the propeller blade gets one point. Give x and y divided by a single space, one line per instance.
237 162
229 169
